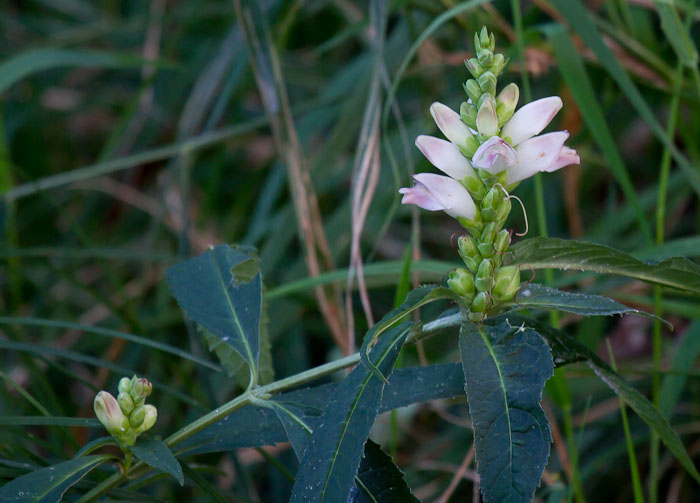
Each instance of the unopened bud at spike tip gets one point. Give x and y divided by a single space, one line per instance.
485 57
124 385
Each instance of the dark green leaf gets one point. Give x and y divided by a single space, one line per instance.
505 369
48 485
327 470
223 305
565 347
673 384
156 454
254 426
543 297
379 480
545 253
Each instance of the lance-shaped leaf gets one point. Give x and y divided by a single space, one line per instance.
546 253
565 347
221 290
254 425
505 369
543 297
327 470
378 479
155 453
49 484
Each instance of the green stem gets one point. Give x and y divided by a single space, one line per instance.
254 395
664 173
636 481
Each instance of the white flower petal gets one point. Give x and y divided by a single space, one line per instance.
494 155
445 156
531 119
436 192
536 154
450 123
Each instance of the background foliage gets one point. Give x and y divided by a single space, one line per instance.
137 135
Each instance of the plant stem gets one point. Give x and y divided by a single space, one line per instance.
257 394
636 481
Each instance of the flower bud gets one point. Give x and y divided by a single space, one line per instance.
110 414
124 385
484 40
484 276
468 113
126 403
479 305
485 57
506 283
473 90
475 186
487 82
502 241
469 147
467 247
506 101
486 119
140 389
474 67
151 414
498 64
489 233
137 416
461 282
490 202
504 207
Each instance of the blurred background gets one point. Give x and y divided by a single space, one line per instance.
134 135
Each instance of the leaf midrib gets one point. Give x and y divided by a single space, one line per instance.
492 352
237 322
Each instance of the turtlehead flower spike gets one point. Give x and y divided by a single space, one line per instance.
490 148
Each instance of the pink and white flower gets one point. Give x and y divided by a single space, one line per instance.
519 151
436 192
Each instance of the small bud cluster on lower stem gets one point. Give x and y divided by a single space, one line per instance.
126 416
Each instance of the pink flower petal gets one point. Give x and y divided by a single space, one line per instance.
537 154
436 192
531 119
567 157
450 123
445 156
494 155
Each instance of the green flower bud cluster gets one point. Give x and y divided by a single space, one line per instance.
485 112
485 283
127 416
